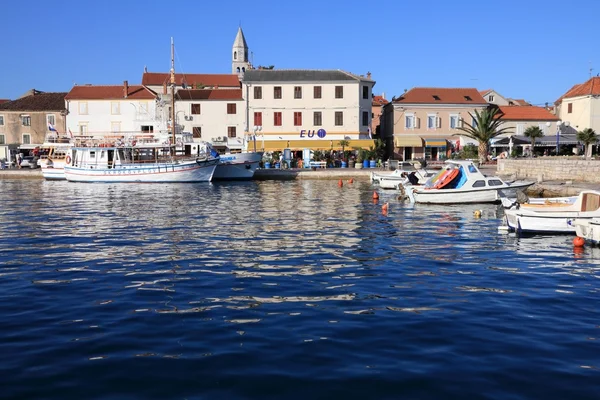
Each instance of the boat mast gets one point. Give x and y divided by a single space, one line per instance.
173 125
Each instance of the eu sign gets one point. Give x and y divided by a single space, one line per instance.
321 133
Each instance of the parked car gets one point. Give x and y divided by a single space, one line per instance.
29 162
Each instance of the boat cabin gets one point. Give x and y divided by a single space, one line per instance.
461 174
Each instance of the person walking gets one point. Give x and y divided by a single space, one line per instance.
18 160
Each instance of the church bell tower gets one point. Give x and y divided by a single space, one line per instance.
239 54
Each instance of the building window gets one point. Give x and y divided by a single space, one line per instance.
297 92
26 120
83 129
339 92
453 121
231 131
365 92
257 92
543 128
1 120
235 55
520 129
431 119
474 122
26 138
317 118
277 118
147 128
257 119
409 121
491 98
365 118
83 109
115 107
197 132
231 109
115 127
317 92
569 108
50 119
297 118
339 118
196 109
277 92
2 139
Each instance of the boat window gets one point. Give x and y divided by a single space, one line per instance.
494 182
478 183
472 169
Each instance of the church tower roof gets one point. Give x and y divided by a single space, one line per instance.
240 40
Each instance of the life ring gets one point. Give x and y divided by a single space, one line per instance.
68 160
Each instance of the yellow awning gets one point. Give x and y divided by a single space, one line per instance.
408 141
435 142
273 145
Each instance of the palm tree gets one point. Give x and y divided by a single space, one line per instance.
533 132
486 126
587 136
344 143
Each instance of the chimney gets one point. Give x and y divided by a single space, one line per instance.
368 75
383 95
125 89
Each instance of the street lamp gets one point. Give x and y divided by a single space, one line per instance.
558 131
255 129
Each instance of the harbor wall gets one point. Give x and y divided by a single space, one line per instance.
551 169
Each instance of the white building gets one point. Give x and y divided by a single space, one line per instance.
98 110
312 109
213 115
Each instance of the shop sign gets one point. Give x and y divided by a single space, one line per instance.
308 133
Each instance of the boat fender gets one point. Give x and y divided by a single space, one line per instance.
68 160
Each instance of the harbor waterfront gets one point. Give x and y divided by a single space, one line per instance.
284 289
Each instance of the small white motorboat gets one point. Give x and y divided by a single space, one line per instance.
513 202
407 173
553 217
589 229
460 181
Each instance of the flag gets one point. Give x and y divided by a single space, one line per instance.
51 128
370 136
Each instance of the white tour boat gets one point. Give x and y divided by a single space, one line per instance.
139 161
460 181
555 217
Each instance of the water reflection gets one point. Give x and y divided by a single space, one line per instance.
176 271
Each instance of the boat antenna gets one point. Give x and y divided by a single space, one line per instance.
173 127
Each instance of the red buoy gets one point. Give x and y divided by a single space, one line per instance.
375 195
340 183
578 241
351 180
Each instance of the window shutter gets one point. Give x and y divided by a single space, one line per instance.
438 122
417 122
460 123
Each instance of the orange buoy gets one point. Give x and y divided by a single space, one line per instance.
340 183
375 201
375 195
385 207
351 180
578 241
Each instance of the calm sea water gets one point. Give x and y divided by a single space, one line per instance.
284 290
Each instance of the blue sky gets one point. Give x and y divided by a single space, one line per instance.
524 49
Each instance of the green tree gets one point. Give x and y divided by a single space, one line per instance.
486 126
587 136
533 132
344 143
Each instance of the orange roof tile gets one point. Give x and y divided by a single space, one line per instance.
379 101
110 92
213 80
210 94
590 87
423 95
484 92
526 113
